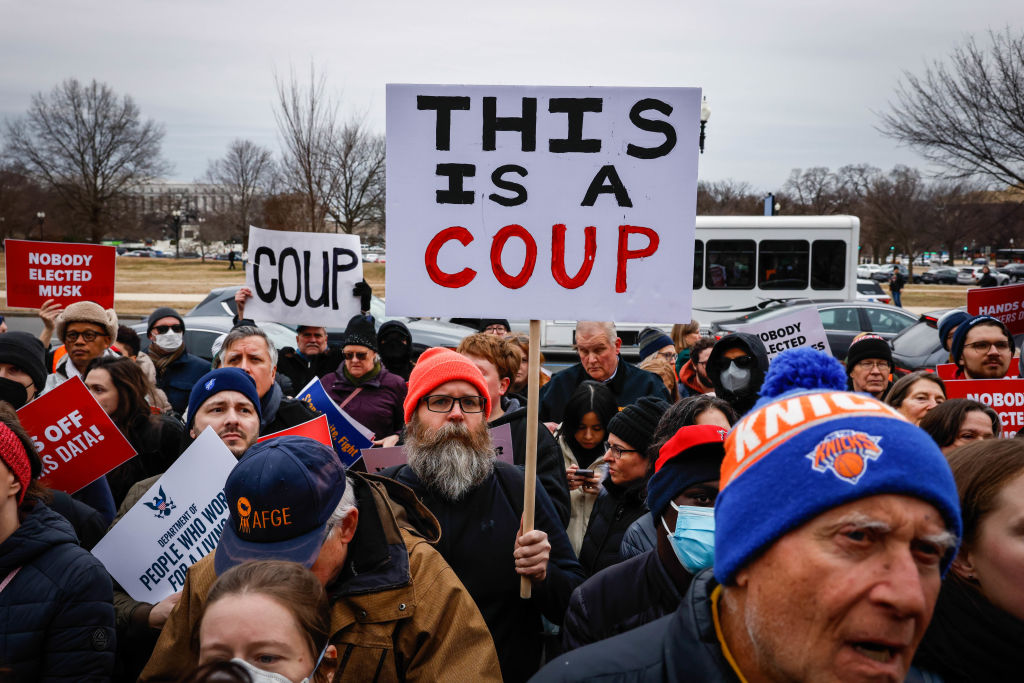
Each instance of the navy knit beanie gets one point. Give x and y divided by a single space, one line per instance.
956 347
652 339
947 322
216 381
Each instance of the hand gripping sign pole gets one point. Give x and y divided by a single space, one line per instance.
532 421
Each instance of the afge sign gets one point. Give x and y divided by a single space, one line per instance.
541 202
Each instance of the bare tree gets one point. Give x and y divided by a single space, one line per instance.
244 175
967 116
898 210
815 191
357 163
727 198
89 147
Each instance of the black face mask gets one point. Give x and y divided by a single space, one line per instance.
13 392
394 347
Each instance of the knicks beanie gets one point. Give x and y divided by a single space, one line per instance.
435 367
810 451
216 381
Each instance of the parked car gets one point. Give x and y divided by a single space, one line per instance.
842 320
1015 271
425 332
942 275
885 272
865 270
971 275
869 290
918 346
140 253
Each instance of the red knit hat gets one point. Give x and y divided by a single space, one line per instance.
437 366
12 452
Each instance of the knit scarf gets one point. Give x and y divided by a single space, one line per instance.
162 359
970 639
356 381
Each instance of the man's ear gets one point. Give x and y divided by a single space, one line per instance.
618 344
348 526
963 566
503 385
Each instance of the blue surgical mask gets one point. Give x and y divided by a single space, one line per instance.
693 540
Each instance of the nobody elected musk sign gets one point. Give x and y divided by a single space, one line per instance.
76 441
1005 396
303 278
541 202
65 272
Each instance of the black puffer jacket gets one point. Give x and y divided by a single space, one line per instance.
301 369
57 614
618 599
616 508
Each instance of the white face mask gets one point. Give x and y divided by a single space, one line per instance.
735 378
169 341
261 676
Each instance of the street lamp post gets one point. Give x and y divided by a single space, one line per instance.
40 217
705 115
176 216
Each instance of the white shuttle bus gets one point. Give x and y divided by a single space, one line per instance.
743 262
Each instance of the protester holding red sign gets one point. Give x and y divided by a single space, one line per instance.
66 273
87 331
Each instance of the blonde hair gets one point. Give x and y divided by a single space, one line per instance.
662 368
679 332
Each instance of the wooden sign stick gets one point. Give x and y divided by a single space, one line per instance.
532 422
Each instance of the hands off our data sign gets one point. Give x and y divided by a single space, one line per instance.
541 202
303 277
1003 303
1005 396
66 273
790 331
77 442
177 522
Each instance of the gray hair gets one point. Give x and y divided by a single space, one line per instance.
243 331
346 505
604 326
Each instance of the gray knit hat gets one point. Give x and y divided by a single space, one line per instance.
88 312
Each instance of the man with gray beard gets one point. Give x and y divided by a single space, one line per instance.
479 503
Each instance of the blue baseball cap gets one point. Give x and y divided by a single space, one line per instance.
280 495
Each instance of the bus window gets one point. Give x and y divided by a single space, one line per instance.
828 264
730 264
782 264
698 264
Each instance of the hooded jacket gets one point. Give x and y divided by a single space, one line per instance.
743 399
400 364
378 405
398 612
57 615
629 384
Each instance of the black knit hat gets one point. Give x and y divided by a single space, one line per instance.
25 352
361 332
868 346
485 323
635 424
162 312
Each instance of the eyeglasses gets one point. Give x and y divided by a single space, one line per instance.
667 355
495 329
439 403
357 355
983 346
164 329
88 335
870 365
617 451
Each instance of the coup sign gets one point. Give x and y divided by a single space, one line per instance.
65 272
76 441
541 201
1005 396
1006 304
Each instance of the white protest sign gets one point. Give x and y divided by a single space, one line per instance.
541 202
303 277
176 523
790 331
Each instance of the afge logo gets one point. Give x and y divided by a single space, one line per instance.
845 453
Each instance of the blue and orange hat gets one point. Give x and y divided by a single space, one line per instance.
281 495
810 451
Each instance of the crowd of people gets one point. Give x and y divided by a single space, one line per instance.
707 514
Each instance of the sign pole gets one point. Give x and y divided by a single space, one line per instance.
532 422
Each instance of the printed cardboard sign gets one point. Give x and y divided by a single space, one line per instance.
540 201
303 277
177 522
790 331
63 271
1003 303
1005 396
316 429
348 437
77 442
377 459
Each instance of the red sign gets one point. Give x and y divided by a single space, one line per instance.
75 439
1002 303
1005 396
947 371
64 272
316 429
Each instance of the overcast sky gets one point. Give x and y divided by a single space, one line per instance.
791 83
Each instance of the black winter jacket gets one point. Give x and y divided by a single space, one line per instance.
301 369
280 412
615 509
57 615
550 465
478 536
629 384
681 648
618 599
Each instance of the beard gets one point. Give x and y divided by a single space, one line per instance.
450 461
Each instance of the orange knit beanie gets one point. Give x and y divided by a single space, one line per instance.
435 367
